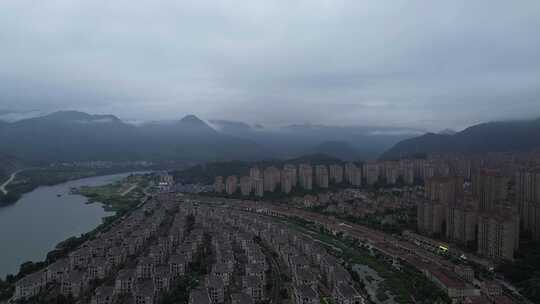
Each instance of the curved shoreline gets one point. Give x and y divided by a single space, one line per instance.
33 214
16 196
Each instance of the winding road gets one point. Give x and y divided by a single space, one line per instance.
6 183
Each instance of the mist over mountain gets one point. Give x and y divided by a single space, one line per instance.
503 136
78 136
349 142
232 127
192 125
70 135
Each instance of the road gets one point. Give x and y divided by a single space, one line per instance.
6 183
128 190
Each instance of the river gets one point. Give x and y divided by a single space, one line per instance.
32 227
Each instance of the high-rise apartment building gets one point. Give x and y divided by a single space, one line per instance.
305 176
391 172
321 176
246 185
461 220
258 186
349 168
353 174
336 174
272 177
441 192
286 181
291 170
490 188
219 186
428 171
431 216
255 172
461 167
528 199
418 168
231 184
407 172
371 172
533 218
446 190
498 233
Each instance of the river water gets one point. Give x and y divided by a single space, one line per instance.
32 227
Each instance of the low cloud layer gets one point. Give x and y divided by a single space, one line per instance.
421 64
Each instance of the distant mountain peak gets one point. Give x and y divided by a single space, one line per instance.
193 124
191 119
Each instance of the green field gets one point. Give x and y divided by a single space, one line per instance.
114 196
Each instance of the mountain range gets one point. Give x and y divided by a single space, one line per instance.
78 136
344 142
502 136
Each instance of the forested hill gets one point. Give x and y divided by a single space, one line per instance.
507 136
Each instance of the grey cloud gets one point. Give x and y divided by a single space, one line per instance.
421 64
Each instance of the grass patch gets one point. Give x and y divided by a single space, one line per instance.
114 196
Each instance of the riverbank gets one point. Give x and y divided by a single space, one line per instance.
28 180
72 218
61 250
118 196
46 216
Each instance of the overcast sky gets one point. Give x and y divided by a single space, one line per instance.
425 64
